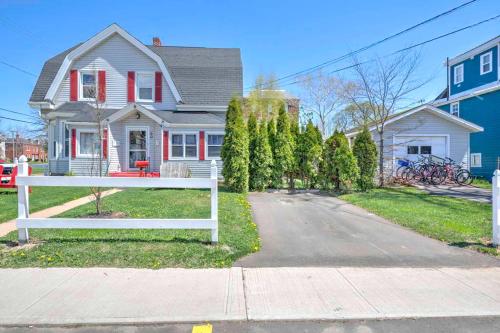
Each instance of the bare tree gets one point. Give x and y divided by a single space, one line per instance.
264 99
321 99
380 89
99 166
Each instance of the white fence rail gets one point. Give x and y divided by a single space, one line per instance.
25 222
496 207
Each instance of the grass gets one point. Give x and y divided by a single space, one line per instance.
457 222
482 183
40 198
144 248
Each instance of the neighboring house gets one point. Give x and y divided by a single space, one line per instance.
424 130
33 149
473 94
159 103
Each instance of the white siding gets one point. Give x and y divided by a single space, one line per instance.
424 122
117 57
57 163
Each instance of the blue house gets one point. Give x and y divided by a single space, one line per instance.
473 93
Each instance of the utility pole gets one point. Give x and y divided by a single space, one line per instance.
13 145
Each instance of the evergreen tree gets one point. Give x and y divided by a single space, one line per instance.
271 133
262 160
252 129
329 170
309 153
365 151
282 154
295 141
235 149
345 163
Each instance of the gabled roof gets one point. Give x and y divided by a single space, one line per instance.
196 75
426 107
476 50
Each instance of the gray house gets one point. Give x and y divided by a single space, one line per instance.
424 130
161 104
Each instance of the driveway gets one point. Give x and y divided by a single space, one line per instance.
463 192
316 230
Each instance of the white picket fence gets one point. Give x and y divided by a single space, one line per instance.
496 207
25 222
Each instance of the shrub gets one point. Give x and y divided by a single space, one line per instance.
262 160
235 149
282 153
346 165
365 151
309 153
252 130
329 171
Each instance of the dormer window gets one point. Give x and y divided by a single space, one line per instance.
88 85
458 74
145 85
485 63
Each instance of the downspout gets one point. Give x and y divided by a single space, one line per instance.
448 78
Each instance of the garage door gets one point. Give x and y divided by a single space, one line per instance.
411 147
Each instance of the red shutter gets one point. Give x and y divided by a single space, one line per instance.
158 80
131 87
73 143
165 145
105 143
202 145
101 79
73 85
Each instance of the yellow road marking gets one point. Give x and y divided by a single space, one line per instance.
207 328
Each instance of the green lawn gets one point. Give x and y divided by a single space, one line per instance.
481 183
145 248
40 198
457 222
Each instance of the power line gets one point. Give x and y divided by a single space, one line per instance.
19 113
409 47
331 61
17 68
19 120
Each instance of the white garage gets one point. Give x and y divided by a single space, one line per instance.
425 130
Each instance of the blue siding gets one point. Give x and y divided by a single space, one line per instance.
472 73
483 110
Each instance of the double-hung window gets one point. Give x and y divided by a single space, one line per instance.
145 84
455 109
485 63
475 160
88 143
65 139
88 85
214 145
184 145
458 74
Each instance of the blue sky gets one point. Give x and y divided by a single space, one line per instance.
278 37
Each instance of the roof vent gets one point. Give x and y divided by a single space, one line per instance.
156 41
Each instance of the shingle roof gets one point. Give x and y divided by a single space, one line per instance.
203 76
84 112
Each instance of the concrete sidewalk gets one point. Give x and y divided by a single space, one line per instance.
110 295
10 226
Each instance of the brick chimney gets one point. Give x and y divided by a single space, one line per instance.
156 41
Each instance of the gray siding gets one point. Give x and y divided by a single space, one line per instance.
58 164
201 169
424 122
117 56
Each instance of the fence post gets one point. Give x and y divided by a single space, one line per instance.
214 209
496 207
23 208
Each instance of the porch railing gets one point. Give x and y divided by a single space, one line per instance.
25 222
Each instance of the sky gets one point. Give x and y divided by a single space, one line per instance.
275 37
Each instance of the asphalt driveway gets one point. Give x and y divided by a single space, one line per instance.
316 230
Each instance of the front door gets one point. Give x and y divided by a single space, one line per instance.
137 138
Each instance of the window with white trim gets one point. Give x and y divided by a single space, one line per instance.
475 160
458 74
88 85
88 143
65 139
455 109
145 85
184 145
214 145
485 63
